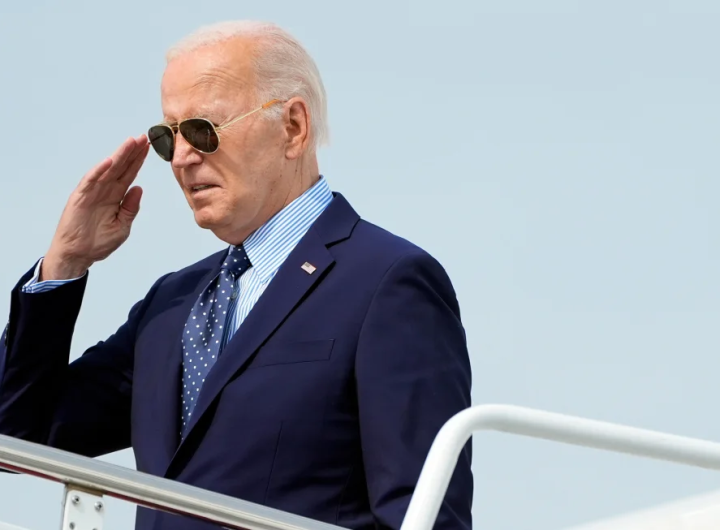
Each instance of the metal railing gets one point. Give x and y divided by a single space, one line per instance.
443 455
87 480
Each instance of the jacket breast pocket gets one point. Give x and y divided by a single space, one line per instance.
307 351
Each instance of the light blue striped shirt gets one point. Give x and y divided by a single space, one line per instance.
268 247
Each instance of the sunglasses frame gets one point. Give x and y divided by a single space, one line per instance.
174 129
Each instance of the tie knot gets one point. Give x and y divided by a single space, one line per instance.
237 261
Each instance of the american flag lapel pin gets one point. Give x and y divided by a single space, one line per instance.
308 267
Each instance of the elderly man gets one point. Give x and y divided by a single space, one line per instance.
306 366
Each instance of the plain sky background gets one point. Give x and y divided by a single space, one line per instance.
559 157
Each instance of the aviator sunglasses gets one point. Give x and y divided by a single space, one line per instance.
201 134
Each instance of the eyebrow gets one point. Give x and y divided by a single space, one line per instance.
205 114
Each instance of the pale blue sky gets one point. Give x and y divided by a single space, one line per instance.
558 157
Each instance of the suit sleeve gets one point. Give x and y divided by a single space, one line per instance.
82 407
413 374
34 285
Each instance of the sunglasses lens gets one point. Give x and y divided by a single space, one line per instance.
200 134
163 141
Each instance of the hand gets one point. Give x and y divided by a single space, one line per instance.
99 214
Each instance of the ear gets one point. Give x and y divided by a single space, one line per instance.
296 118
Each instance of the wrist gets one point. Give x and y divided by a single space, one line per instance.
62 268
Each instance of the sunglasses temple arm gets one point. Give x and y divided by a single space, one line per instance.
228 124
265 106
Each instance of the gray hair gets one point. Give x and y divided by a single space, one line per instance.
283 67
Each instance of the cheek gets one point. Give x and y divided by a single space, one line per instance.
250 164
254 145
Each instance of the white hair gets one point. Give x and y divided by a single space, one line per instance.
283 67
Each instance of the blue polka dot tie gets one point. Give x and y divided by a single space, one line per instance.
205 329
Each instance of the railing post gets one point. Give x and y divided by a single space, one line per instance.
82 510
442 458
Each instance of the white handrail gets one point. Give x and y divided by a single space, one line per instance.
163 494
146 490
442 458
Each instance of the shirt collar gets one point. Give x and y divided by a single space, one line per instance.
270 245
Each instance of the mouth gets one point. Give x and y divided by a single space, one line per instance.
203 187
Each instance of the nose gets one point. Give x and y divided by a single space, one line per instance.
184 155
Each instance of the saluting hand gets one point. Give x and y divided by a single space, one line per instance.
99 214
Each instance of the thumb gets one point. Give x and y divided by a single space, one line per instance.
130 205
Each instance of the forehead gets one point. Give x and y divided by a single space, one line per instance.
207 80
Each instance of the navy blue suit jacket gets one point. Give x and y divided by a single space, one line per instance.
324 403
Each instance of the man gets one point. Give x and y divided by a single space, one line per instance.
307 367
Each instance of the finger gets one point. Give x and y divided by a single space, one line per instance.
130 205
94 175
124 160
133 169
97 171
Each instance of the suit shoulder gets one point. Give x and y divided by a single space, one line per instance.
391 261
387 249
388 242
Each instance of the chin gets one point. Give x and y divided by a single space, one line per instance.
227 225
206 220
217 225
